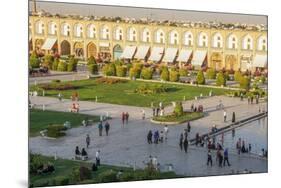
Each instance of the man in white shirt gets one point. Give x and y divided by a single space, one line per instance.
98 158
224 116
166 130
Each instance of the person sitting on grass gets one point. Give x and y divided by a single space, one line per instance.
84 154
77 153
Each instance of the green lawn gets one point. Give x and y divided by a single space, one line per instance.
63 168
123 93
40 120
188 116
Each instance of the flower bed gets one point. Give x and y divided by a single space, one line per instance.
173 119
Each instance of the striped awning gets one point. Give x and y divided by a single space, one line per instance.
199 57
156 54
49 43
184 55
128 52
141 52
260 61
170 55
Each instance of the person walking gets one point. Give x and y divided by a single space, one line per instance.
209 158
156 137
127 117
185 144
100 128
153 111
224 115
220 157
60 97
123 117
181 141
238 146
188 127
233 117
88 140
149 137
107 127
225 158
249 99
157 111
143 114
166 130
98 158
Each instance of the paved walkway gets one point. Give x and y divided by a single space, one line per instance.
126 145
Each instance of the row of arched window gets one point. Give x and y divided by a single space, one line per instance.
159 36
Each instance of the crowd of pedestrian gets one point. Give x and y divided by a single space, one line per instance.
157 136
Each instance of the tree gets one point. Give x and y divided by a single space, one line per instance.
165 75
55 64
245 82
121 71
34 62
183 72
200 77
62 66
72 64
174 76
221 81
146 73
134 72
109 70
92 60
237 76
211 73
48 61
178 110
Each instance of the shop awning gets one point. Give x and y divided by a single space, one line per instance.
104 44
260 61
184 55
156 54
198 57
128 52
141 52
170 55
49 43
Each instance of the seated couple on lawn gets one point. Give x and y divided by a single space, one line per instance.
83 155
74 107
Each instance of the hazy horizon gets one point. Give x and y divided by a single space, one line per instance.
155 14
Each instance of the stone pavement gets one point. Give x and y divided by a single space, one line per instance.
126 145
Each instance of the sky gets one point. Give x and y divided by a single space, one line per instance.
155 14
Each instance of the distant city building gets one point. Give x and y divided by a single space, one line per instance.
217 45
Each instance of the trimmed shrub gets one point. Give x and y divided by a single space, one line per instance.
48 61
165 75
147 73
93 68
62 66
121 71
109 70
107 176
118 62
36 162
245 82
211 73
91 60
34 62
178 110
237 76
174 76
55 131
110 81
221 81
72 64
55 64
183 72
134 72
200 77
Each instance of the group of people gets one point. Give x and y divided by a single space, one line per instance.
106 127
221 156
251 99
157 111
153 163
241 147
183 142
194 108
157 137
125 117
81 155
